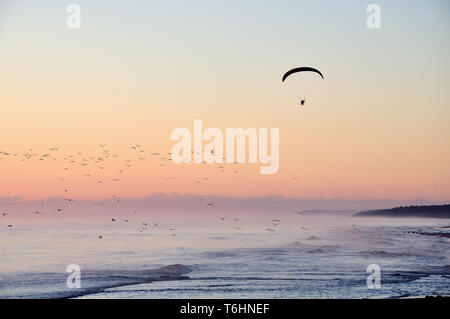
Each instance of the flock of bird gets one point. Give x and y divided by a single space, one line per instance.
100 159
99 163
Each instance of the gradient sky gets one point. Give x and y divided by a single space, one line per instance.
377 127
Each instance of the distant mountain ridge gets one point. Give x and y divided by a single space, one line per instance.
432 211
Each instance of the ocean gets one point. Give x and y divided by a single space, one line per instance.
316 255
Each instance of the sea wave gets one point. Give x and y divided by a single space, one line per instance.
53 285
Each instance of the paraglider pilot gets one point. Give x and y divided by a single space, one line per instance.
301 69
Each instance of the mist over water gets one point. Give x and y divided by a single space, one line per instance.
233 255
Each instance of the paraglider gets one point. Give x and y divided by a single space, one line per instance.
301 69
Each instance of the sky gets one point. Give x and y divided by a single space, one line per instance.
376 127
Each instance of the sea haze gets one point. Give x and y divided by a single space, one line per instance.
224 254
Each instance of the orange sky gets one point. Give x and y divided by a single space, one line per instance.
377 126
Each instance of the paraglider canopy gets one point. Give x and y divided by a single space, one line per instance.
301 69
